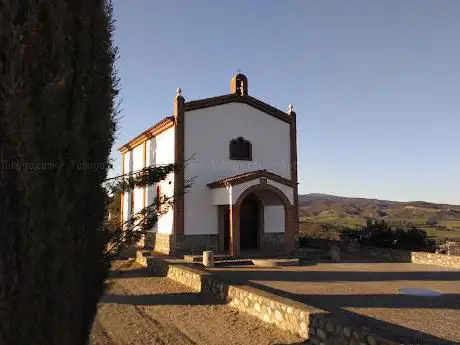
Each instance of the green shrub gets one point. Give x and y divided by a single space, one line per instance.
378 233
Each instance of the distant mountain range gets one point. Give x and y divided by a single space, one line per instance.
326 206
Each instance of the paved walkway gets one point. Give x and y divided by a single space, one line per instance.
367 293
141 309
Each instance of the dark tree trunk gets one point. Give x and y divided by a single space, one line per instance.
57 90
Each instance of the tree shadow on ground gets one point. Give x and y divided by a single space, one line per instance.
160 299
130 273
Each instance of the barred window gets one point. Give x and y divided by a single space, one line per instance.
240 149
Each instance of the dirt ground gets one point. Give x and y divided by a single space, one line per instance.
141 309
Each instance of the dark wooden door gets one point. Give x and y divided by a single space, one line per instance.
249 223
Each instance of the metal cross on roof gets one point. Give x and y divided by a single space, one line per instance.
238 71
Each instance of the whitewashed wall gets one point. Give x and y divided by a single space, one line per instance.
207 134
127 158
138 164
274 219
159 151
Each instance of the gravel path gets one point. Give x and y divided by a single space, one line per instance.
141 309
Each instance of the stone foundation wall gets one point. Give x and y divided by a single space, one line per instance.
161 243
195 244
180 244
273 241
308 322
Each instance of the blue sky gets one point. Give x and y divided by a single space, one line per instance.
375 84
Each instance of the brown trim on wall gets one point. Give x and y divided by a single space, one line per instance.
294 175
234 245
156 129
235 98
248 176
179 160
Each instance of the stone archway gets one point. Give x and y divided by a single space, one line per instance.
290 218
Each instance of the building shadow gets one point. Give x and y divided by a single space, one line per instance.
385 329
160 299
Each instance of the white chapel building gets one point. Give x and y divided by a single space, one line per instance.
241 155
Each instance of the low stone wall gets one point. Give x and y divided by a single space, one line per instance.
308 322
394 255
449 261
387 254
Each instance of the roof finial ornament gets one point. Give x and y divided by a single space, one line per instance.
238 71
178 92
291 108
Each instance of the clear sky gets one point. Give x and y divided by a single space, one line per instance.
375 84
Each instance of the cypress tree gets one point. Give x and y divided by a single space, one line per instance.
57 125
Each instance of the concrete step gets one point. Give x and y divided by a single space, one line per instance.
275 262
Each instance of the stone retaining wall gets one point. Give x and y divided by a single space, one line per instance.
387 254
449 261
308 322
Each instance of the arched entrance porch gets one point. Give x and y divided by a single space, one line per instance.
247 228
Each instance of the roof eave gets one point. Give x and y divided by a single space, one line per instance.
156 129
235 180
235 98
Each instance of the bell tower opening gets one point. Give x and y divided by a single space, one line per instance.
239 85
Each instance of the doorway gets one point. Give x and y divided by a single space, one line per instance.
250 211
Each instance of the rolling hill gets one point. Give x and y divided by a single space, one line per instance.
439 220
